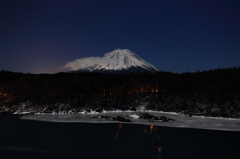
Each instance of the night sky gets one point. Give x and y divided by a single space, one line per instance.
41 36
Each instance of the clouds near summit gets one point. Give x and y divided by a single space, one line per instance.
81 63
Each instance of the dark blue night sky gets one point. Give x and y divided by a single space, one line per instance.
40 36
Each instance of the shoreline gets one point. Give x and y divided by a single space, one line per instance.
179 121
116 111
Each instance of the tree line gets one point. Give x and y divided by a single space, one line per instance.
162 91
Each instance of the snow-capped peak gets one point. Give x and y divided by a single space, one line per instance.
117 61
124 59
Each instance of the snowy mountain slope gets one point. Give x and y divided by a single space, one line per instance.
118 61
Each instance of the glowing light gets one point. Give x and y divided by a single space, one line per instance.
151 127
119 126
159 149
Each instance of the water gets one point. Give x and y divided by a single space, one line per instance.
30 139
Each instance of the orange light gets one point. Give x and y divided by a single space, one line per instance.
159 149
151 127
119 125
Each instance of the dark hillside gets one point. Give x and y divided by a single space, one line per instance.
211 93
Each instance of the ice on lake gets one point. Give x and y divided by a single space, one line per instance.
180 120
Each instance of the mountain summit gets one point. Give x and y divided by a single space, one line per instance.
117 61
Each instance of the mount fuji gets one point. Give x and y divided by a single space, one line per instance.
115 62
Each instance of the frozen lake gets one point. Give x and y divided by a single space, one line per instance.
180 120
83 136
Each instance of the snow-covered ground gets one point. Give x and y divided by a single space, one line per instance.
180 120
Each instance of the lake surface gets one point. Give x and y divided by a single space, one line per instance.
31 139
180 121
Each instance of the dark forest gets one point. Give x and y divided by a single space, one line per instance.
208 93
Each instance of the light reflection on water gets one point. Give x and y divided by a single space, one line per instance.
113 141
147 133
